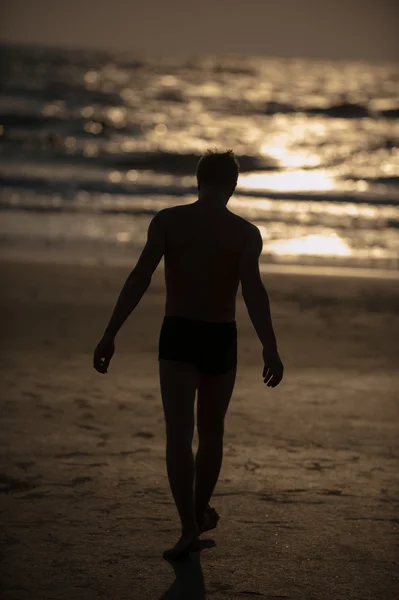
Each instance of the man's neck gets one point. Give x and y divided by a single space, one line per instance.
212 201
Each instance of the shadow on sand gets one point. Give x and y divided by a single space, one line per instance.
189 579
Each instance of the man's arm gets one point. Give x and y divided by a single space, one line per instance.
140 278
257 301
133 290
253 291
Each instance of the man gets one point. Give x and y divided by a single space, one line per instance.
208 250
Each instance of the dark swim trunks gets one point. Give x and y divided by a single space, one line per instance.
211 346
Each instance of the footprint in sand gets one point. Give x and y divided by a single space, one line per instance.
90 427
316 466
332 492
103 437
10 484
72 454
25 465
79 481
148 396
82 403
37 495
32 395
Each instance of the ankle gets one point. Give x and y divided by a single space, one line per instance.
200 517
191 530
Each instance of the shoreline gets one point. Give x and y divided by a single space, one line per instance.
53 256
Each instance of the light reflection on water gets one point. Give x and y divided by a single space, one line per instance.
315 245
291 181
286 238
317 129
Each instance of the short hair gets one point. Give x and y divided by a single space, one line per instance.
218 168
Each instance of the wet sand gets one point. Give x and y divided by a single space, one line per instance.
309 489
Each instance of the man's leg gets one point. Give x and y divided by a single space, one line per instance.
214 393
178 387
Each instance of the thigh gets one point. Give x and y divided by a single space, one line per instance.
178 340
178 381
214 393
217 349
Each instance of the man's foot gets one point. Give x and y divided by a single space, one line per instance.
210 520
187 543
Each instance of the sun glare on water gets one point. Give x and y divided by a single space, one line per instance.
314 244
301 174
291 181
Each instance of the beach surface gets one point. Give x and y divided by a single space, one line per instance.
309 488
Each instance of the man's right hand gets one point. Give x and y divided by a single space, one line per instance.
273 369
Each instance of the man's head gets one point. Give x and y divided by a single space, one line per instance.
218 171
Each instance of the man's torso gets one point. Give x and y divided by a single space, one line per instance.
202 254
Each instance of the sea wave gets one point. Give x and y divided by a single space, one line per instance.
67 188
114 138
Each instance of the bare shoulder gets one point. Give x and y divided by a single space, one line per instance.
245 224
171 211
162 214
249 231
161 219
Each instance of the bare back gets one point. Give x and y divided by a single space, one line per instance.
202 255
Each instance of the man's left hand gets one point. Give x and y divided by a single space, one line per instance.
103 354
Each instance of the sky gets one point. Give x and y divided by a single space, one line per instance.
353 29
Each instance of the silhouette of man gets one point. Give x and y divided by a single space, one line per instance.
208 250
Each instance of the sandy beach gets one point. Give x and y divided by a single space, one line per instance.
309 489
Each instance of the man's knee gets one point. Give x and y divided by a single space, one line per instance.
179 437
211 433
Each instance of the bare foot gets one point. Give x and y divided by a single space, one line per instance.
187 543
210 520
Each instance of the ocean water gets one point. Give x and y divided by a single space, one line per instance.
93 144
